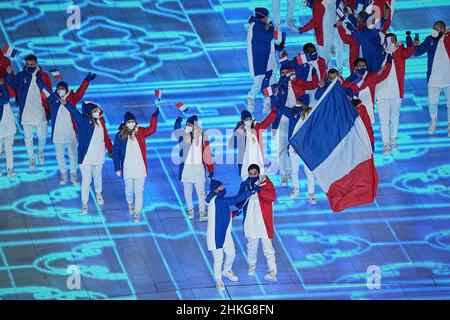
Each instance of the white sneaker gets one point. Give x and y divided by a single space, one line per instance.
131 208
74 179
84 208
251 104
291 26
394 147
99 198
32 164
220 285
311 199
432 127
137 217
230 275
41 158
271 276
251 269
63 180
190 213
294 193
386 149
267 107
203 217
284 180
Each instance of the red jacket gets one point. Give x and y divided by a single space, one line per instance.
399 57
266 198
300 86
353 45
142 133
318 11
5 63
75 97
264 125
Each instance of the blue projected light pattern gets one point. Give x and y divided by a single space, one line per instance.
195 51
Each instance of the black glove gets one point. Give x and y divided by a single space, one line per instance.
156 113
90 77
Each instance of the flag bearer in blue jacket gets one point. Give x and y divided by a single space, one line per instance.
130 159
33 109
7 129
93 141
260 54
218 232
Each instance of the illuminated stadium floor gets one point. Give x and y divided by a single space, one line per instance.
195 52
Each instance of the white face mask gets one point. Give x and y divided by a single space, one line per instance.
248 124
435 33
188 129
61 92
96 114
131 125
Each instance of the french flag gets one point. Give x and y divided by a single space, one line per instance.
182 107
283 58
303 58
340 12
268 92
335 145
278 35
158 94
9 51
56 74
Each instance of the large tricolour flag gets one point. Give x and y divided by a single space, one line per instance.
335 145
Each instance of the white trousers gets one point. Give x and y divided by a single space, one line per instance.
256 86
7 143
276 12
269 252
200 189
295 165
60 149
389 115
88 172
433 101
230 254
28 133
134 192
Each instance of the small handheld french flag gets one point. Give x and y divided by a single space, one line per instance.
268 92
278 35
340 13
56 74
158 94
9 51
283 58
182 107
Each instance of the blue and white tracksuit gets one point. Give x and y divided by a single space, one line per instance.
260 54
437 73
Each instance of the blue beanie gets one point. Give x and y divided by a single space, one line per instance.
245 114
304 99
88 106
62 84
128 116
261 12
192 119
214 184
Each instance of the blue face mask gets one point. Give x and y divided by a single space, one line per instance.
222 193
361 71
30 69
253 179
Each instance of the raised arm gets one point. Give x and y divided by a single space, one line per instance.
318 12
151 129
76 115
234 201
408 52
267 122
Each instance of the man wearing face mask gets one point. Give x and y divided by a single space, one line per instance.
253 130
437 48
64 127
389 92
361 83
260 54
258 220
218 231
195 159
93 141
306 64
33 107
130 159
370 40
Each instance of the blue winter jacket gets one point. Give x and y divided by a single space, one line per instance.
4 98
260 46
429 46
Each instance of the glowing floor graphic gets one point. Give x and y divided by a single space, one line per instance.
195 51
